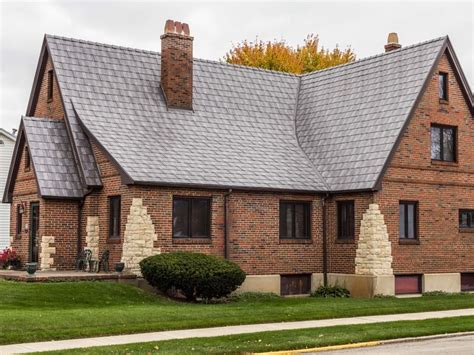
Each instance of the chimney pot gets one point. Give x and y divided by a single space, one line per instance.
392 42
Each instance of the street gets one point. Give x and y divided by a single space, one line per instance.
455 345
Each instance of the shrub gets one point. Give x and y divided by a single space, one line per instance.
195 275
335 291
9 258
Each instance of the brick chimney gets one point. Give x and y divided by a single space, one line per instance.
177 65
392 42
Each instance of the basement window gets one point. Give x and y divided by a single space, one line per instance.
191 217
443 86
114 217
467 281
295 284
407 284
443 143
50 85
408 219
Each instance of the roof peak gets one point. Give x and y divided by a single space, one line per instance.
131 49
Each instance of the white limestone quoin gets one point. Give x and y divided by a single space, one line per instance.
46 253
374 251
139 237
92 236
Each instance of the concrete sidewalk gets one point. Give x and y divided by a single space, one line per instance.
219 331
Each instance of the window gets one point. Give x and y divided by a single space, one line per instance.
114 216
50 84
345 220
295 220
19 219
408 220
407 284
295 284
443 143
27 159
467 281
443 86
466 219
191 217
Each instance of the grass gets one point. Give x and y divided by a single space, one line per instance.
289 339
52 311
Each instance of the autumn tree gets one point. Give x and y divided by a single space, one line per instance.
278 55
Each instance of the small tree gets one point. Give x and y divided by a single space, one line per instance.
278 55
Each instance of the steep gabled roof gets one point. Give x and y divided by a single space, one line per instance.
51 157
7 134
328 131
350 116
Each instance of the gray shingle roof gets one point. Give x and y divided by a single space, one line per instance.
52 158
349 117
330 130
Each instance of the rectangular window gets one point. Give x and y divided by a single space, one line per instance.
50 84
191 217
407 284
19 220
27 159
408 220
114 216
295 220
466 218
467 281
443 143
295 284
443 86
345 220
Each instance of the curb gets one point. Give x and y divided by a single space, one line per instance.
366 344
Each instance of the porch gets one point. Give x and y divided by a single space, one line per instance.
52 275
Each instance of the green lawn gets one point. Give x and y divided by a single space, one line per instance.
290 339
48 311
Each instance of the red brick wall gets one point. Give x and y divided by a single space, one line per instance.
341 253
441 188
49 108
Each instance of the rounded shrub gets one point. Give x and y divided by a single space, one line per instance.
196 275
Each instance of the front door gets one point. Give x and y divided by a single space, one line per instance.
34 237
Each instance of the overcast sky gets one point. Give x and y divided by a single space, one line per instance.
215 27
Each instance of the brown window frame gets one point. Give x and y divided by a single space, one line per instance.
115 234
19 220
470 218
189 200
347 231
445 76
307 220
443 127
415 220
50 85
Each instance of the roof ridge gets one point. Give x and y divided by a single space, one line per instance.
376 56
131 49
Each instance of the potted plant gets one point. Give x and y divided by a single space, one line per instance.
31 268
119 266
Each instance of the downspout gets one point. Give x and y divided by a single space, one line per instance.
79 220
325 243
226 223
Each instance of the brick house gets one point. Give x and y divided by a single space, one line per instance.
361 174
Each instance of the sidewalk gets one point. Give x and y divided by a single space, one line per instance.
219 331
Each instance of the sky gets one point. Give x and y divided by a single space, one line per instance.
363 26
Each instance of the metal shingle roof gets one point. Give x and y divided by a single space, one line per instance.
243 131
52 157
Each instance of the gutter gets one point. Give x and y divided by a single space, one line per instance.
226 223
325 243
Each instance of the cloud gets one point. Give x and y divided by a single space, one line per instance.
216 26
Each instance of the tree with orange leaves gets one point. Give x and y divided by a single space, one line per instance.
278 55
